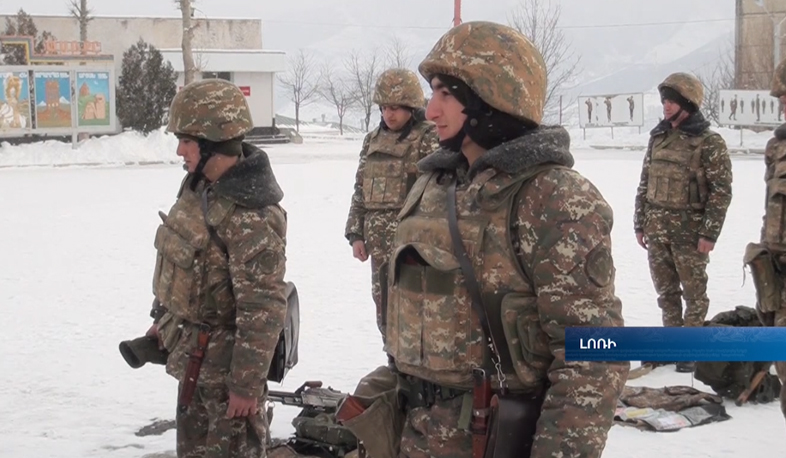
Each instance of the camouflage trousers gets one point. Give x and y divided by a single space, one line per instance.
205 432
435 432
780 366
380 229
679 272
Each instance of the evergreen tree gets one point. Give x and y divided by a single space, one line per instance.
146 88
24 25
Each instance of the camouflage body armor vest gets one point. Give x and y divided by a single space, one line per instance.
432 331
774 234
676 176
191 277
391 168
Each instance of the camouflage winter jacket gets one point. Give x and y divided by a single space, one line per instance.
541 251
239 292
685 186
386 170
773 231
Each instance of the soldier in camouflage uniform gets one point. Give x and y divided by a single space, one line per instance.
220 268
771 305
681 202
386 170
537 234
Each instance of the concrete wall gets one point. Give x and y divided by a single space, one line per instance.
754 42
117 34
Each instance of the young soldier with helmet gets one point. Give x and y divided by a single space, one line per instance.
681 202
219 277
386 171
768 258
500 246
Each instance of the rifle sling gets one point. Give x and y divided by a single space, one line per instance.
469 272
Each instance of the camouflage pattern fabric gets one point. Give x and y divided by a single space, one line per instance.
778 88
240 293
672 266
432 432
399 87
673 398
557 226
773 233
380 190
666 225
497 62
205 432
686 85
212 109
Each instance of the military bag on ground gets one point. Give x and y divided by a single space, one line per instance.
730 378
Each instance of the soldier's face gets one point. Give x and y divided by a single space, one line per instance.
188 149
395 116
670 108
445 111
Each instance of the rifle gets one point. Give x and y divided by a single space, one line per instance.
310 394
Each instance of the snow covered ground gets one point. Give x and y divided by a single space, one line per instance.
78 259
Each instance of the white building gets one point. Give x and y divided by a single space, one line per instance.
225 48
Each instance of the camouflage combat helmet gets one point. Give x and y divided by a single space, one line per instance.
686 85
498 63
211 109
401 87
779 80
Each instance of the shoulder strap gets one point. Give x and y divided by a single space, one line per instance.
469 274
210 229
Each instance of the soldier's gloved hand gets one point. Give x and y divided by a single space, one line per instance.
642 239
359 250
240 406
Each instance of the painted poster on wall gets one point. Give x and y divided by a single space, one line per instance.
52 99
15 101
93 93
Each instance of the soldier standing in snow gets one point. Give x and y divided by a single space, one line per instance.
768 259
386 171
681 202
537 237
219 276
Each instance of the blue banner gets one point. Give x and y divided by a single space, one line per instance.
675 344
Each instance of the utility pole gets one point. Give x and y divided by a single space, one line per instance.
456 12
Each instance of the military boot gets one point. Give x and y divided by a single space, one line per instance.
685 366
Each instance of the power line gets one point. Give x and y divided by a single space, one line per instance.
418 27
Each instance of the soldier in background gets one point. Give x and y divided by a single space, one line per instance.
219 276
537 235
386 171
771 304
681 202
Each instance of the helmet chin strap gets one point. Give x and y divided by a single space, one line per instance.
205 153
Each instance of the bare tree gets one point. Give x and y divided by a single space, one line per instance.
189 27
339 91
398 54
83 15
714 80
363 71
539 20
301 82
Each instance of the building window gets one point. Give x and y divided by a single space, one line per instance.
220 75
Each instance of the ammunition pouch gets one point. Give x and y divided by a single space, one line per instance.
766 274
414 392
142 350
512 424
285 356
